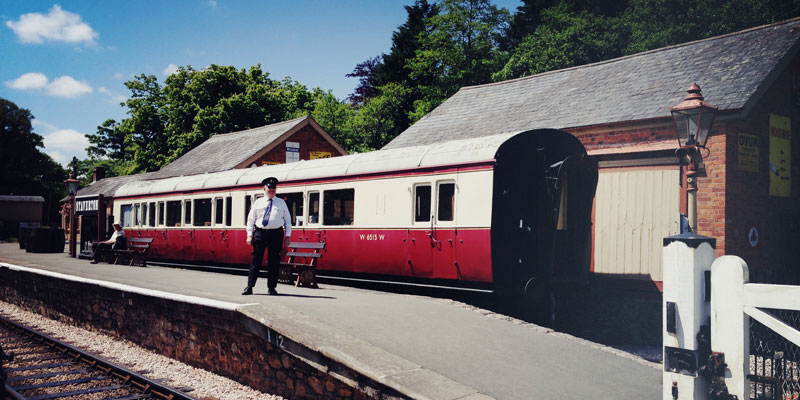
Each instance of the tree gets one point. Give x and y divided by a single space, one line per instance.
565 37
461 47
334 116
24 169
373 125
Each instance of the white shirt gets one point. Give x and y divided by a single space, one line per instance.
116 234
279 216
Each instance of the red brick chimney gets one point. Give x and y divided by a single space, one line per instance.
98 173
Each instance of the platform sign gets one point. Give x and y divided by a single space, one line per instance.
780 145
319 154
748 152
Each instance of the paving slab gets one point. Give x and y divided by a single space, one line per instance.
426 347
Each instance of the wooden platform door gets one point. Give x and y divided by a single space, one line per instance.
635 208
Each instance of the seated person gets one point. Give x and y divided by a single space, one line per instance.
99 247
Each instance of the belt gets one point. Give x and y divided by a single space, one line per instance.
264 229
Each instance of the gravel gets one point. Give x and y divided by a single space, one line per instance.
176 374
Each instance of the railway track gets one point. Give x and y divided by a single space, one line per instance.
42 367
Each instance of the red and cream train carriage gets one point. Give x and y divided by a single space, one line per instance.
492 212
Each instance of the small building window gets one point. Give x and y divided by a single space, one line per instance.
187 212
338 207
202 212
422 203
174 213
313 208
218 211
294 201
446 203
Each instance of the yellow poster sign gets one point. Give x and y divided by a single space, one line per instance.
780 145
319 154
748 152
269 163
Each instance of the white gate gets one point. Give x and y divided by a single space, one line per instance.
757 328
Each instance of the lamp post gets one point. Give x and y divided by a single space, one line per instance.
693 119
72 187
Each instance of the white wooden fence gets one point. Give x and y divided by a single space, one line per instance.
733 301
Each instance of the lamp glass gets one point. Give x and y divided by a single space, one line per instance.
693 125
72 185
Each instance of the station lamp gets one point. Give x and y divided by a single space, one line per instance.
72 187
693 119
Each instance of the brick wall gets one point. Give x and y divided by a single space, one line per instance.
224 342
309 139
749 203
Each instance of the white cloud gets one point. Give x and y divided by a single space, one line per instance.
63 86
66 140
67 86
119 75
212 3
171 69
58 26
31 80
48 128
59 157
117 99
103 90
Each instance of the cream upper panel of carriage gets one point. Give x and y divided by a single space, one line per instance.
444 200
447 153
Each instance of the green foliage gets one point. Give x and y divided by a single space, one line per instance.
460 47
24 169
373 125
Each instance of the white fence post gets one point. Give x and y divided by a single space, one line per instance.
730 326
687 258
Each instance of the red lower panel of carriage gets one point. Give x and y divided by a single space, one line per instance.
462 254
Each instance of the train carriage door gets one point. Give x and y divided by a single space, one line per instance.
420 248
187 232
443 238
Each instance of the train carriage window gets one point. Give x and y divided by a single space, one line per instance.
152 215
446 201
218 211
247 205
422 203
160 213
187 212
136 212
338 207
294 201
144 214
174 213
228 210
202 212
127 215
313 208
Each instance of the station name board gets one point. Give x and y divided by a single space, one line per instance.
85 206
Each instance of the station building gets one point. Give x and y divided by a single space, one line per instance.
19 212
620 110
289 141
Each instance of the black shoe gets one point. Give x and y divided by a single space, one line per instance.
273 292
248 290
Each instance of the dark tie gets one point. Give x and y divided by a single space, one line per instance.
265 221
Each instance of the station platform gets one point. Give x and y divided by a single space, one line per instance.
419 347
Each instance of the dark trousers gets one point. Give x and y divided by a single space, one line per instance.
99 248
270 240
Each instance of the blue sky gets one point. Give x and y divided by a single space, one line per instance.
66 62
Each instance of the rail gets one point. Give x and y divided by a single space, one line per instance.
50 353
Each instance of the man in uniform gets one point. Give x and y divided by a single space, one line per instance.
268 223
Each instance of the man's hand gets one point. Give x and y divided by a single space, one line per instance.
249 241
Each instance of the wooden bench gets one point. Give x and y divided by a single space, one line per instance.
302 257
137 250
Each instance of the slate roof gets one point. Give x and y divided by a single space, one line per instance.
107 186
222 152
732 71
22 199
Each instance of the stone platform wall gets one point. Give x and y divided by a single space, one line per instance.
221 341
